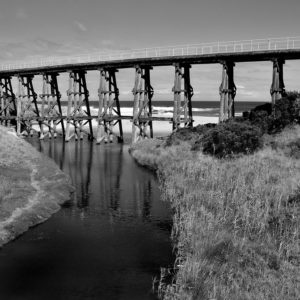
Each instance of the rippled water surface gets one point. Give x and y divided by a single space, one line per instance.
108 242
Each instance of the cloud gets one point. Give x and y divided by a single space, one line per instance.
21 14
28 50
80 26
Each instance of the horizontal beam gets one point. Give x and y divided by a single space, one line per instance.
160 61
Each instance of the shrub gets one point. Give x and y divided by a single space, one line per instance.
230 138
182 134
190 135
286 112
261 116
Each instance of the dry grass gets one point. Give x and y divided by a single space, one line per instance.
14 173
31 186
236 223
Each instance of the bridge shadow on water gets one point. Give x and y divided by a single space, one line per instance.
108 242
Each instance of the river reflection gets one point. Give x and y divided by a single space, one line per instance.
108 242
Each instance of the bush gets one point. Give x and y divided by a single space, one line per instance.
189 135
182 134
286 112
242 134
230 138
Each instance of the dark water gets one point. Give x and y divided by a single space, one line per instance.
108 242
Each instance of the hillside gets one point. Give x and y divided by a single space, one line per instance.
32 187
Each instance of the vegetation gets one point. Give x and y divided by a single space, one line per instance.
230 138
236 221
27 179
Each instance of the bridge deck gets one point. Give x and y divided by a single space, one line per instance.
161 61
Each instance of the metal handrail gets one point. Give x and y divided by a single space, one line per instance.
270 44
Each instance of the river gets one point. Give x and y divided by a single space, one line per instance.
108 242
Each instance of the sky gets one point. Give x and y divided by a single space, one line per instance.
35 29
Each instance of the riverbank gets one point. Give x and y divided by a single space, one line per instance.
32 187
236 221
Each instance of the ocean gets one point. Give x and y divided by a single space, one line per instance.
200 108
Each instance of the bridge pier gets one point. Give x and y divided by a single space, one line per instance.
182 109
78 97
50 102
277 87
27 108
227 91
142 104
7 101
109 113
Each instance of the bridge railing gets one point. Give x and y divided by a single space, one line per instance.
271 44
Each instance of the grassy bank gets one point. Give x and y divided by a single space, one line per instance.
31 186
236 221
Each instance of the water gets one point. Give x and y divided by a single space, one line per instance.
108 242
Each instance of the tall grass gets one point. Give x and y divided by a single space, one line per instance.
31 186
14 172
236 222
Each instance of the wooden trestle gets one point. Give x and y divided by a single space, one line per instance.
78 97
8 105
51 111
109 113
182 109
142 105
24 111
27 107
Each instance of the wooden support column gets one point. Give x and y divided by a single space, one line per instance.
102 109
182 112
19 104
117 109
188 94
70 94
109 113
78 96
227 91
277 87
147 107
138 84
2 104
43 97
142 110
32 96
177 96
55 91
85 101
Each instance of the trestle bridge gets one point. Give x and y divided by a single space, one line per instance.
26 108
